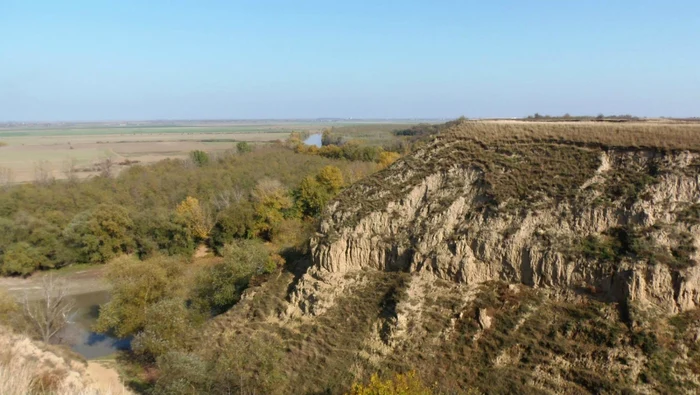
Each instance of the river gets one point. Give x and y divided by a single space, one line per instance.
314 139
78 334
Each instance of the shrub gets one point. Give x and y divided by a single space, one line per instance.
100 234
399 384
167 327
181 374
20 259
235 222
219 287
136 285
243 147
199 158
162 231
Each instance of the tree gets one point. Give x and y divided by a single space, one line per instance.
106 166
219 287
243 147
311 196
162 231
100 234
70 169
272 202
50 314
386 158
167 327
199 158
6 177
399 384
235 222
331 178
315 192
20 259
43 173
198 220
137 285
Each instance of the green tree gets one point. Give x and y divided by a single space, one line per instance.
162 231
137 285
100 234
235 222
20 259
311 196
219 287
199 158
167 327
243 147
315 192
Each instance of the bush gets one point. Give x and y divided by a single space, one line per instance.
162 231
243 147
199 158
235 222
182 374
219 287
20 259
248 364
100 234
167 327
399 384
137 285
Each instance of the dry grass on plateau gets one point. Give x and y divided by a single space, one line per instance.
605 135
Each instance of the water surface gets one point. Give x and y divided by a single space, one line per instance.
314 139
78 334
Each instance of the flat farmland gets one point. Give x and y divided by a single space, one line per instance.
26 148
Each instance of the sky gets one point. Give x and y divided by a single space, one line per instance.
94 60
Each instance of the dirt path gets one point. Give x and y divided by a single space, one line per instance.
105 379
77 282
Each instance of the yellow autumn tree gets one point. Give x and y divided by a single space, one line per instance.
400 384
197 219
386 158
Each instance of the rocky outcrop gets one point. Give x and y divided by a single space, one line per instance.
449 211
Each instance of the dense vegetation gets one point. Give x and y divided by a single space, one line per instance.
167 208
198 327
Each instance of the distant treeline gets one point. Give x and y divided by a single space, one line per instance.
569 117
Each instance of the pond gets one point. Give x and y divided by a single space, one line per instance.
78 334
314 139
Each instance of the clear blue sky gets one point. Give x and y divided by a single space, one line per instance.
157 59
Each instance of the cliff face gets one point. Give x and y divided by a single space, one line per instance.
619 223
523 259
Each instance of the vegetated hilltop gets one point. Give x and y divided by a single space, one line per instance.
501 258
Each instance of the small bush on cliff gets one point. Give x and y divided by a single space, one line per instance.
399 384
219 287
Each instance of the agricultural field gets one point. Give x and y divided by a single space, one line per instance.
26 148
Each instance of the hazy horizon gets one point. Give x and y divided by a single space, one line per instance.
78 61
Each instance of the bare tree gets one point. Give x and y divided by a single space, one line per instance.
43 173
70 169
6 176
226 198
50 313
106 166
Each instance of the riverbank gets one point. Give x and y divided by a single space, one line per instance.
77 280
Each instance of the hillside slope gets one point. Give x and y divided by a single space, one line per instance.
503 258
